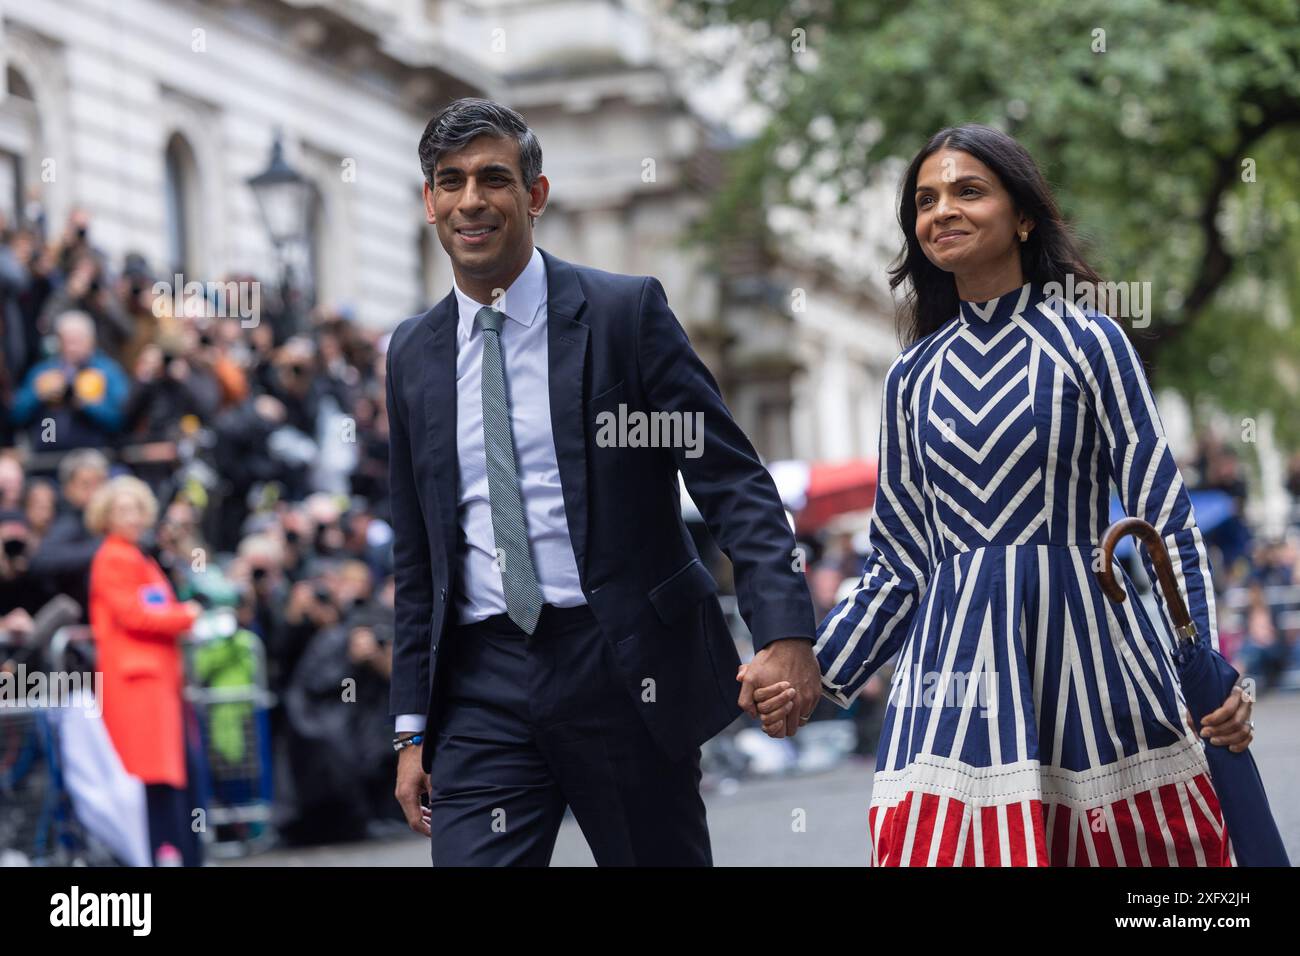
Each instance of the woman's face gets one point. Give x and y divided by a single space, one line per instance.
126 517
966 221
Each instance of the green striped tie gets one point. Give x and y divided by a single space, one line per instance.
518 575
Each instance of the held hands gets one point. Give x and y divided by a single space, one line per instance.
1230 726
781 686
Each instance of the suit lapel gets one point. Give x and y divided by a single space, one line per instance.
566 342
440 412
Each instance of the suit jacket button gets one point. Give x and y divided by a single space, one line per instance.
442 593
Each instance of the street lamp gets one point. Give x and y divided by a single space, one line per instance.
285 199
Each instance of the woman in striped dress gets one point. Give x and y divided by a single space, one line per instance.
1031 721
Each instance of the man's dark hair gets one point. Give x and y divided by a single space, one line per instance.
463 120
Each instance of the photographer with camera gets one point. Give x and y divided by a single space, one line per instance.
62 562
258 570
74 399
311 608
18 589
336 705
163 392
81 283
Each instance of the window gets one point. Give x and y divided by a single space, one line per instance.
19 138
181 199
11 187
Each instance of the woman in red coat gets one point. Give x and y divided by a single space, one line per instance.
137 621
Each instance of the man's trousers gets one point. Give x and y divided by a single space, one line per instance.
529 724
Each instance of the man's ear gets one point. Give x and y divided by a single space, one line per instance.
429 216
537 196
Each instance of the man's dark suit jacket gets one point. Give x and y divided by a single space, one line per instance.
612 340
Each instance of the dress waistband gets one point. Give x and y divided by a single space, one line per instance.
1088 546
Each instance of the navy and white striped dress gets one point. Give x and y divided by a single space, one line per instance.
1031 721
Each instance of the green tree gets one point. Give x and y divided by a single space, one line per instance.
1169 130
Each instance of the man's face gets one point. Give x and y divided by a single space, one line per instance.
75 344
177 522
11 481
82 485
481 209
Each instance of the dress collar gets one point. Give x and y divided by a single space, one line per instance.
1004 307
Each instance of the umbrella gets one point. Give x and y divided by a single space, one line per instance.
1211 507
819 491
1207 680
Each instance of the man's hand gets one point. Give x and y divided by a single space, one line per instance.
787 660
412 781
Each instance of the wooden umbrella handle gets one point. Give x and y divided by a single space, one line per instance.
1149 536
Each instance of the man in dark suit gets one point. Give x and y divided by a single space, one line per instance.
558 640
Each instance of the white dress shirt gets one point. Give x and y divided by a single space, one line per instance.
524 346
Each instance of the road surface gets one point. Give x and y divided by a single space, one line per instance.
754 825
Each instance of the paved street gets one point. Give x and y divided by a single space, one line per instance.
752 826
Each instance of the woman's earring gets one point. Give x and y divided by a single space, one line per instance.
1023 235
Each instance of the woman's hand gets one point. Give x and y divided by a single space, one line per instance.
773 704
789 662
1230 726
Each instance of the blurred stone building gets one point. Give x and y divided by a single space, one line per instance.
153 114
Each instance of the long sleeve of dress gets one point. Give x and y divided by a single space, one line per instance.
871 623
1142 466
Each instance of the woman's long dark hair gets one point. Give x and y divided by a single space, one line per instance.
1050 253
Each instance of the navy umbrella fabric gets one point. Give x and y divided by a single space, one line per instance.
1207 680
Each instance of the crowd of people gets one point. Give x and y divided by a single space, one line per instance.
258 452
1257 576
262 448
